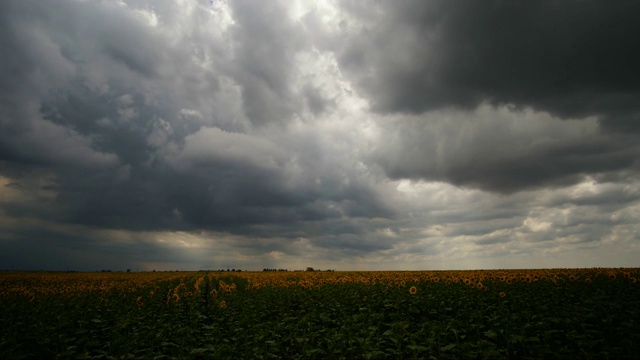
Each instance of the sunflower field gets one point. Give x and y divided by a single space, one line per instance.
492 314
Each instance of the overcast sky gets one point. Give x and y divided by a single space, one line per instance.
347 135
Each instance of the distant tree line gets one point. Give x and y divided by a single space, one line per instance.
222 270
308 269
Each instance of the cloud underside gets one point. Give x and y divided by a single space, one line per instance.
377 132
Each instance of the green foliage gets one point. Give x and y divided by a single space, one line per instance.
543 319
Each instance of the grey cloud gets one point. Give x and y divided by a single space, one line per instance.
316 103
189 133
152 123
212 147
351 244
85 249
437 60
501 150
265 43
571 59
585 213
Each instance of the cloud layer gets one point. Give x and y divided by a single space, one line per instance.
349 135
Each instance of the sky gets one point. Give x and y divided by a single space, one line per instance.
346 135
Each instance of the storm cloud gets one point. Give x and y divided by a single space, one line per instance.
570 60
350 135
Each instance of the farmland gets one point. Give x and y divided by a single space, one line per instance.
549 313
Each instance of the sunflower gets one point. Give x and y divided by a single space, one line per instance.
502 294
413 290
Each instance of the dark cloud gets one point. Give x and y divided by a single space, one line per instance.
124 121
574 60
501 150
571 59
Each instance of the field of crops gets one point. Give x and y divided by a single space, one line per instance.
514 314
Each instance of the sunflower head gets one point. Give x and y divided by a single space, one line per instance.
413 290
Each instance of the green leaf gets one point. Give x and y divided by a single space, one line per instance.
418 347
490 334
449 347
200 351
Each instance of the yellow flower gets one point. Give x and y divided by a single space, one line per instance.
413 290
502 294
222 304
